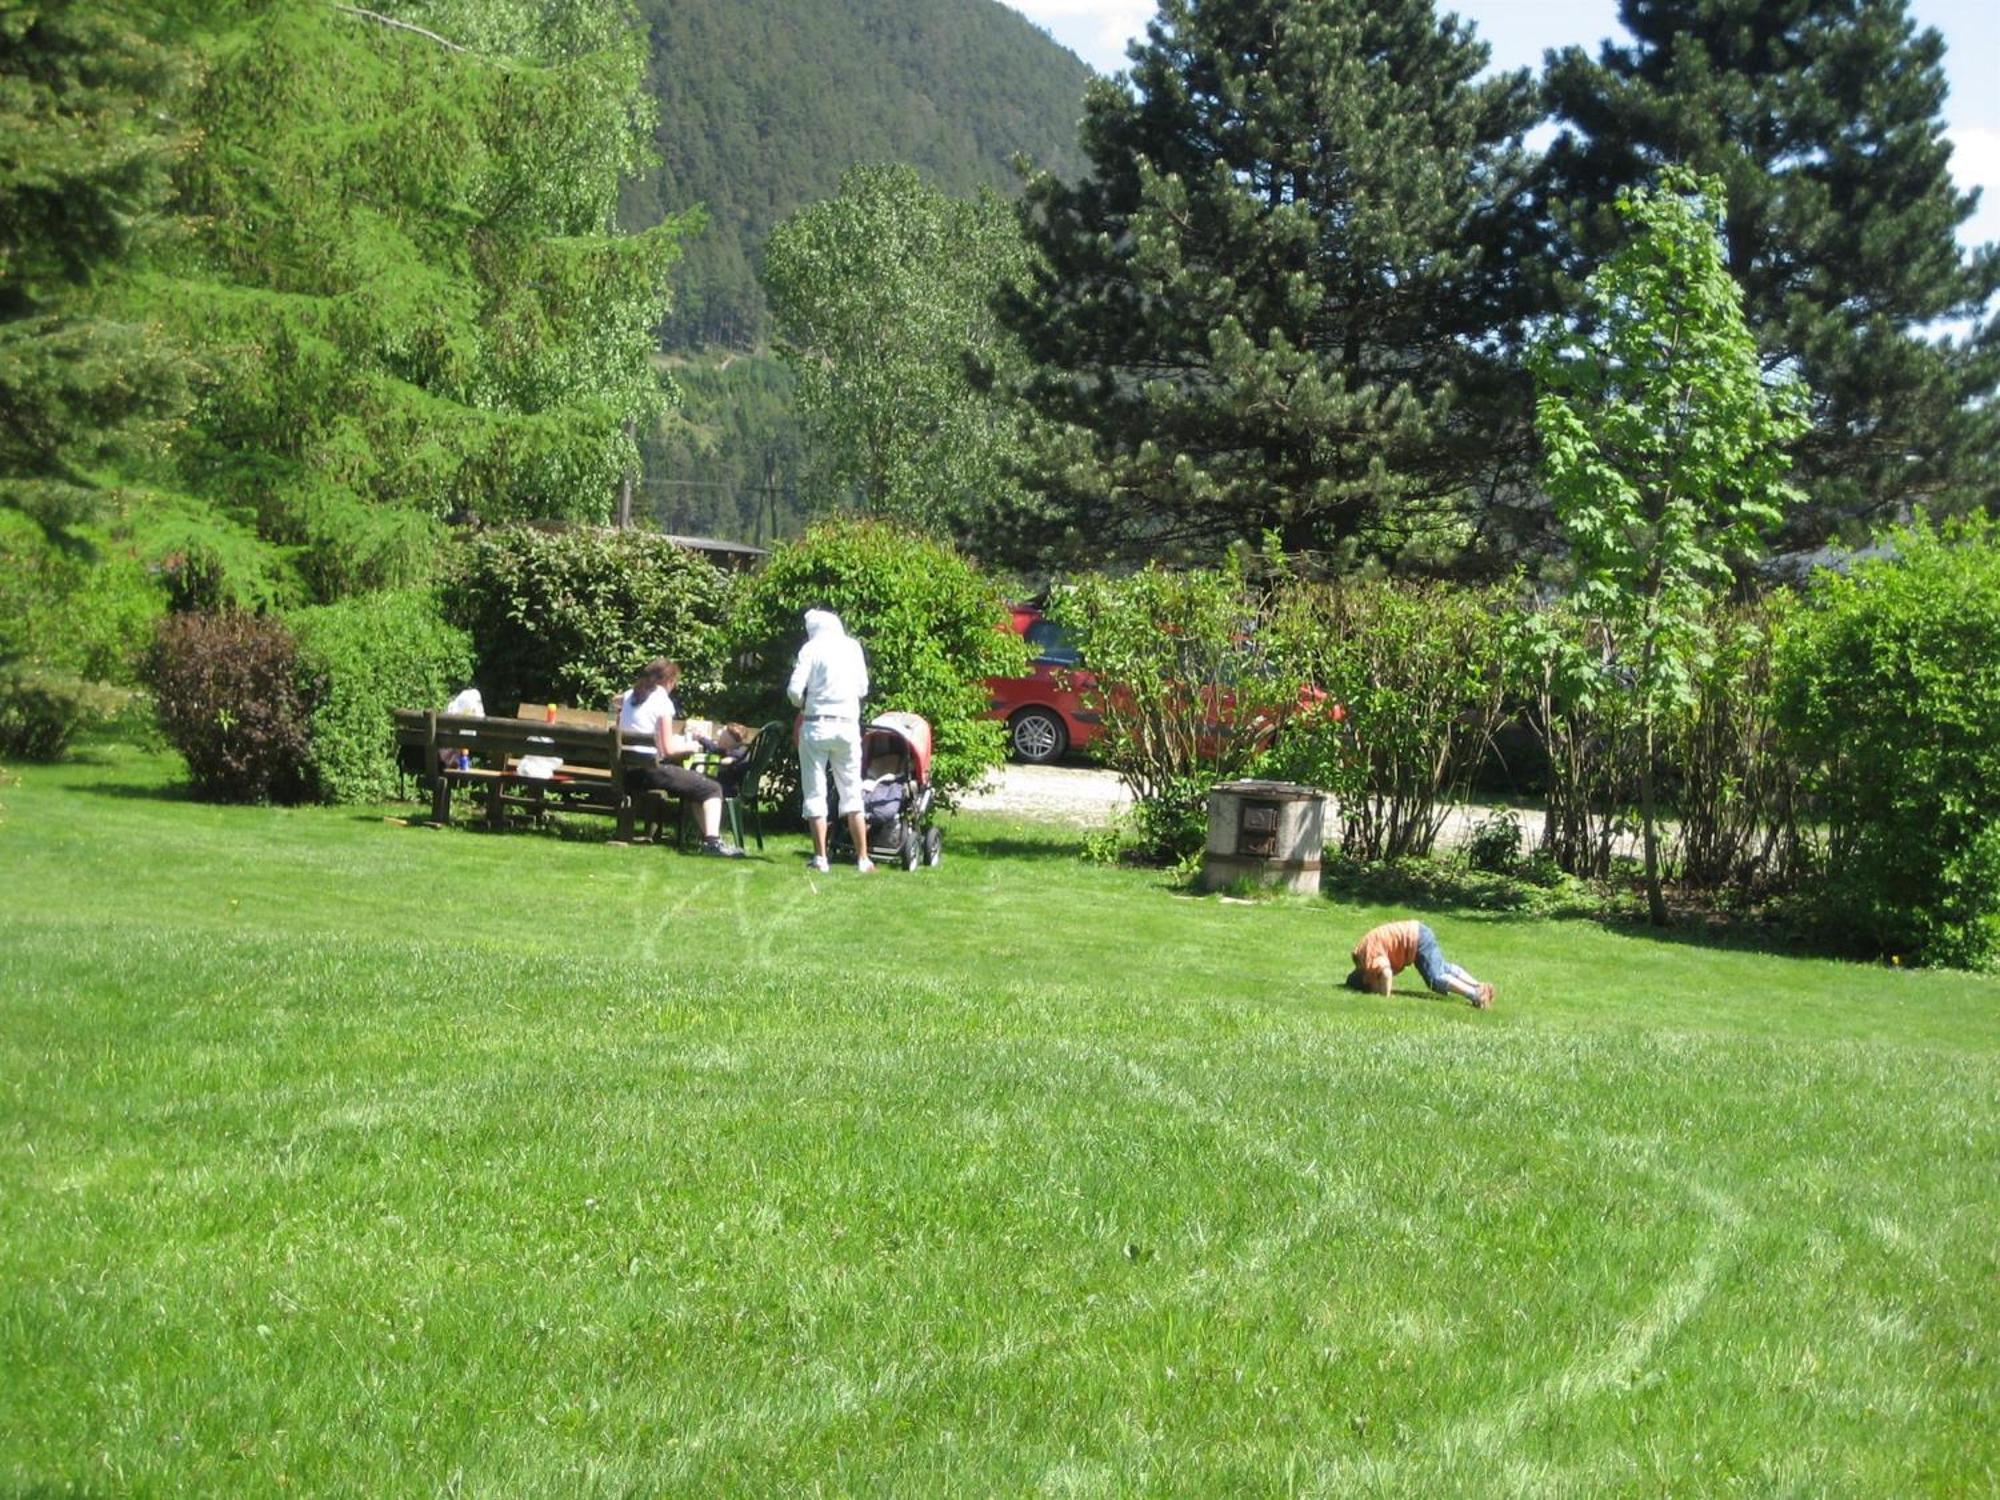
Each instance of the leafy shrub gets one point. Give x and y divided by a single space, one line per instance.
41 712
933 627
70 615
1735 790
1103 846
1184 698
1423 881
568 616
370 656
196 581
228 694
74 626
1417 674
1495 845
1562 667
1888 689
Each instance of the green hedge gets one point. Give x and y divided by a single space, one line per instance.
567 616
1888 691
933 628
1185 698
366 657
74 631
41 712
1405 683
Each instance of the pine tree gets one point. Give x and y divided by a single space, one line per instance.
1274 303
1822 119
85 384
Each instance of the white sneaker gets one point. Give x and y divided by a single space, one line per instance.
818 862
864 866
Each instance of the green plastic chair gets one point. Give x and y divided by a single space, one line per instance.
763 750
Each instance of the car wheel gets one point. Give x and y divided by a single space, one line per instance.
933 847
1038 735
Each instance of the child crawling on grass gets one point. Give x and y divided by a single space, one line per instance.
1386 951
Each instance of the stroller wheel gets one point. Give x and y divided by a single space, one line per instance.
913 848
933 847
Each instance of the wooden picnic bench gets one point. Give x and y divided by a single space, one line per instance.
658 805
764 745
448 752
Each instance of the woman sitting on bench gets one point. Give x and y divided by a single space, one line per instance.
649 710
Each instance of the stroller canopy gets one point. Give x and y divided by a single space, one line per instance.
897 744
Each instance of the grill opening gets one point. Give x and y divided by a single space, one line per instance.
1257 830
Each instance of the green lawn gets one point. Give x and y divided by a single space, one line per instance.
344 1157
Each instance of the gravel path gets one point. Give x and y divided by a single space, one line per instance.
1082 795
1087 797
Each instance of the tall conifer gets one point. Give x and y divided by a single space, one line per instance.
1272 303
85 150
1822 117
406 283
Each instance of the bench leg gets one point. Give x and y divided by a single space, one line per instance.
440 800
624 820
660 806
496 806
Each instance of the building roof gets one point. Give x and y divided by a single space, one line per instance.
716 544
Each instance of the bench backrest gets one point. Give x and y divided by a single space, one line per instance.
591 718
577 745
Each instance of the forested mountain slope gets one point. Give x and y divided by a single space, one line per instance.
764 103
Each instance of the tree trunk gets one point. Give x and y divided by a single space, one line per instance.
1656 903
626 481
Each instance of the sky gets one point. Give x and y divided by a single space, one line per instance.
1519 31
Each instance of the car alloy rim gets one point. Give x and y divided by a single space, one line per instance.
1035 736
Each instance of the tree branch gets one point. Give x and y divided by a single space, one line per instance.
382 20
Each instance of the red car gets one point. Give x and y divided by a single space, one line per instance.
1044 711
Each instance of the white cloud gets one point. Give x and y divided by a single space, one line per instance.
1975 163
1096 30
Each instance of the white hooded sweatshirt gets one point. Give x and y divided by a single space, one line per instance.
831 676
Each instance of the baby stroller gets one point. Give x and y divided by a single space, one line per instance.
896 791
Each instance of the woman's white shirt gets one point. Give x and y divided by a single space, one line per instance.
645 716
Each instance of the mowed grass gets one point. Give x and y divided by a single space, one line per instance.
341 1157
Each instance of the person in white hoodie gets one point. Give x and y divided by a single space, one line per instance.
828 683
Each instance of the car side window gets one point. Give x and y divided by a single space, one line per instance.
1047 643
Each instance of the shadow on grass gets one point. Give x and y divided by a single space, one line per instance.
138 791
1478 896
557 827
574 829
1732 933
1013 842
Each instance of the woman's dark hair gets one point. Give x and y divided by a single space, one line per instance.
1356 980
657 672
